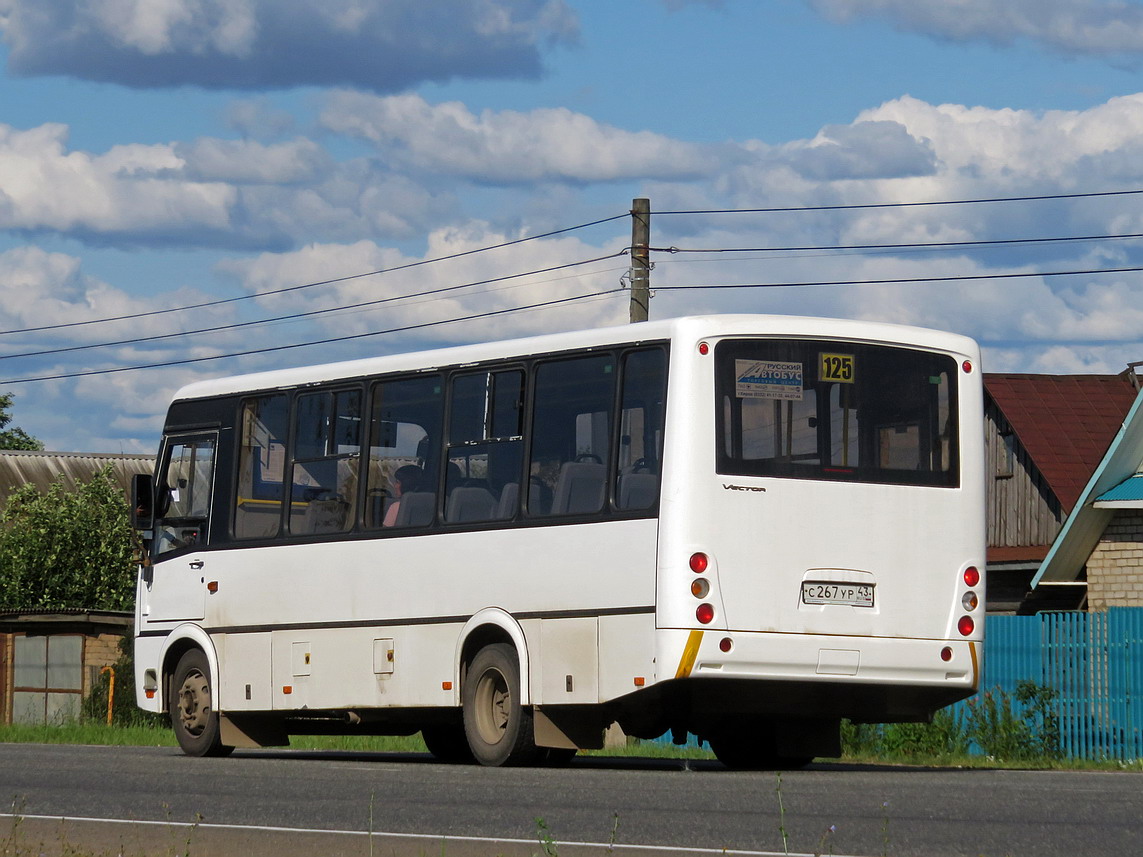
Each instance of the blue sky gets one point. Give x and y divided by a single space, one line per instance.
156 154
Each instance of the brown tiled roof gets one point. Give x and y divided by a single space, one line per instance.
1065 422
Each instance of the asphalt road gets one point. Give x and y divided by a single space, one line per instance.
292 802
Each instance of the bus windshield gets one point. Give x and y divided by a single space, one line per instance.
836 411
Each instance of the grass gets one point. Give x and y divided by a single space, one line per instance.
148 736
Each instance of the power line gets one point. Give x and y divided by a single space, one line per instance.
309 314
330 281
188 360
899 280
925 245
875 205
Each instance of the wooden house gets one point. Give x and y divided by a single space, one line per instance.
1046 435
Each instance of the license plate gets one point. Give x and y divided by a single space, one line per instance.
850 594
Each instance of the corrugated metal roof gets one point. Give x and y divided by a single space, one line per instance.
1130 490
43 468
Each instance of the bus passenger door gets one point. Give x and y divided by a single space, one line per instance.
184 492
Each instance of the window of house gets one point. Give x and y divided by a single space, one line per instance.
1006 462
47 682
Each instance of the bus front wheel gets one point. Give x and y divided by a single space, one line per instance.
498 727
194 717
447 742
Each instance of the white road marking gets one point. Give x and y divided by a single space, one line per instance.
617 846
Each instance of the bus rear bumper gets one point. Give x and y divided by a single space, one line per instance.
873 678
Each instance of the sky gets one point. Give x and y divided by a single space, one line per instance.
203 187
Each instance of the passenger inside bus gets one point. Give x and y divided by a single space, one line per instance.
406 480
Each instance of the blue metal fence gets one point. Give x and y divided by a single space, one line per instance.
1094 664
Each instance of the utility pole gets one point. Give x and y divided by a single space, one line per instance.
640 259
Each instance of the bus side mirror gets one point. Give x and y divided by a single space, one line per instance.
142 501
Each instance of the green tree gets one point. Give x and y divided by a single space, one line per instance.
15 437
68 548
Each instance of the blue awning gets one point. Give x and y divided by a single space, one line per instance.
1127 494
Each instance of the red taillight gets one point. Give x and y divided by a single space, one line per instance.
726 644
699 562
703 349
971 576
705 613
966 626
946 654
967 367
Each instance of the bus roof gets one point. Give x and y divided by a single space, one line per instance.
649 331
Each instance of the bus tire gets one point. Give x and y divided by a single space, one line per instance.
749 752
447 742
194 717
497 726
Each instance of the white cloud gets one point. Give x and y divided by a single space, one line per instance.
380 45
957 152
1090 27
110 413
209 192
872 149
247 162
320 262
509 147
39 288
45 187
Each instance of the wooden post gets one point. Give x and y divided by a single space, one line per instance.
640 259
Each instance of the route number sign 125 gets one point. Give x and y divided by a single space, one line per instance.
838 367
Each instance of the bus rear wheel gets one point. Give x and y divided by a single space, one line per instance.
497 726
749 752
194 717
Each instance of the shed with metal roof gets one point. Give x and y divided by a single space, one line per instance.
41 469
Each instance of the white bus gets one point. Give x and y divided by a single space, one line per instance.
744 528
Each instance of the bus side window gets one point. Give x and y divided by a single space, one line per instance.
405 423
184 495
261 467
327 450
571 436
641 430
485 446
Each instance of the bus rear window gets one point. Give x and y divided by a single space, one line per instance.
836 411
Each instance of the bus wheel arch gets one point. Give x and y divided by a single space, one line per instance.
181 640
486 628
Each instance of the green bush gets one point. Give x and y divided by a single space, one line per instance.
1021 732
944 737
1004 727
68 548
